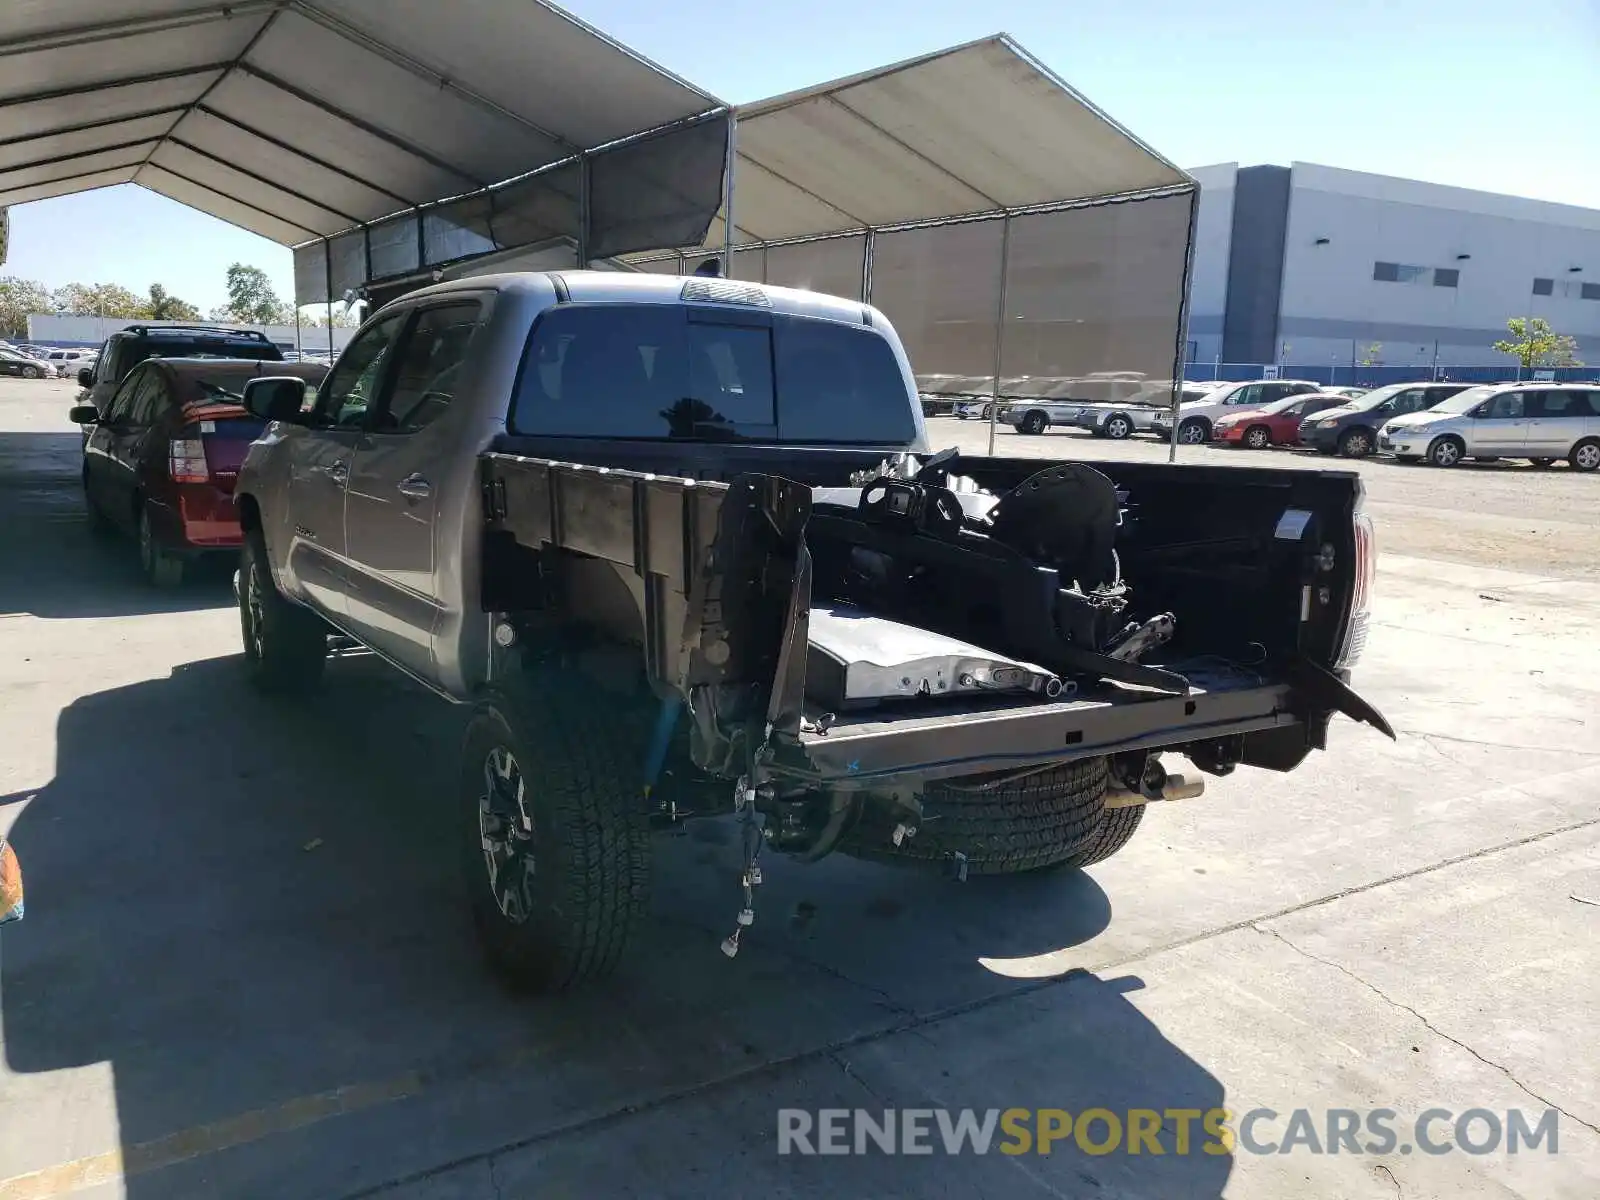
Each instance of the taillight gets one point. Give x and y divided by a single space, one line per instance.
187 461
1355 633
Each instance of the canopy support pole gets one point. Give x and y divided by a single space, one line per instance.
584 212
730 161
1000 327
1182 355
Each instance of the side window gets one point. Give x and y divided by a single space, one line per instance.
1250 396
351 388
121 406
106 367
1548 404
428 364
160 403
1507 406
1585 404
145 399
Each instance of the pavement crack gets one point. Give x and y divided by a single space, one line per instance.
494 1177
1380 1167
912 1020
1426 1024
843 1064
1430 738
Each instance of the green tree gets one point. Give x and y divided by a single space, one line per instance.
100 300
1372 355
1534 344
316 316
18 299
252 300
164 306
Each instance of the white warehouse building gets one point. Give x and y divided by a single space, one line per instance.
1315 266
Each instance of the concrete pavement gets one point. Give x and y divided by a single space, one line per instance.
245 972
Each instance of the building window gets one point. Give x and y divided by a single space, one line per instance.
1385 272
1446 277
1591 291
1543 287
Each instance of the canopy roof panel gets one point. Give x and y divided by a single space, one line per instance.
300 118
977 128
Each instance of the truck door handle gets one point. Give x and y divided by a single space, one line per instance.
338 472
415 487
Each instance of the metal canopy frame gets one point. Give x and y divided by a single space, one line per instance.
375 116
981 132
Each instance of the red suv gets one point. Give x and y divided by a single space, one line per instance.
160 462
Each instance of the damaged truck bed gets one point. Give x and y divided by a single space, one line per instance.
1261 608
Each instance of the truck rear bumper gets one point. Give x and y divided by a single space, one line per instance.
880 748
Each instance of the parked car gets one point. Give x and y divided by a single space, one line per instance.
1352 429
1349 393
13 362
1036 416
129 347
69 362
1138 414
160 461
1275 424
673 542
1540 422
1196 417
973 410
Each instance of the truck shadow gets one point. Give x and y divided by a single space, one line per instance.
53 566
250 911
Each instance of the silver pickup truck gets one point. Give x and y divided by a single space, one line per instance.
682 547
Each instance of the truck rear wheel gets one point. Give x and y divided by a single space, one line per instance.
555 840
285 646
1112 832
1027 824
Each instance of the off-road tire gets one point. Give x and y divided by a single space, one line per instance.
1037 821
1114 830
589 841
292 650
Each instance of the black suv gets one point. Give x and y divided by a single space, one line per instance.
127 348
1352 429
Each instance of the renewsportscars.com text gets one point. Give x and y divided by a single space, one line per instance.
1180 1131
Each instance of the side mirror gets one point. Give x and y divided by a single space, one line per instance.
83 414
275 397
85 377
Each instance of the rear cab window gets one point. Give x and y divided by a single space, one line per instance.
709 373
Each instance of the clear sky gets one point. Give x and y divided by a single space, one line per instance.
1474 93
